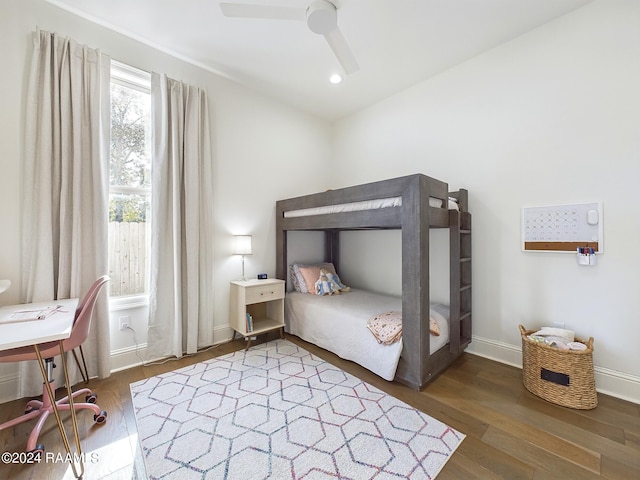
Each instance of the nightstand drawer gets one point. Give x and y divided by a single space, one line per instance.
264 293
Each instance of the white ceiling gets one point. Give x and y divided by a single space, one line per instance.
397 43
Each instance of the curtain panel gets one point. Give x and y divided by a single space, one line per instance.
65 202
181 293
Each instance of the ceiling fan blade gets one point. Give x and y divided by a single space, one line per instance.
247 10
342 51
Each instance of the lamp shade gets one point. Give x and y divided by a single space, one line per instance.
242 245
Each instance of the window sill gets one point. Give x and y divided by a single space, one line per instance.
127 302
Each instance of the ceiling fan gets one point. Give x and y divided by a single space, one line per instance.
321 17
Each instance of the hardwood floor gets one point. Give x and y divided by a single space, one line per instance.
511 433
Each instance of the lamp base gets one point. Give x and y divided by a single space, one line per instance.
243 278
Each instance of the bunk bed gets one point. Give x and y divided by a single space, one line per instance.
413 204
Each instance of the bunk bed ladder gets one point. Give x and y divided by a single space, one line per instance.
460 280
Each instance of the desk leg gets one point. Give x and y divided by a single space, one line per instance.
74 420
52 395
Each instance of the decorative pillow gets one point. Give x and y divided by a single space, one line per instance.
434 328
311 274
296 278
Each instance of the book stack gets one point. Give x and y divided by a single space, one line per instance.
249 322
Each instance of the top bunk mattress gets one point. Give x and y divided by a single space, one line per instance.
338 323
364 205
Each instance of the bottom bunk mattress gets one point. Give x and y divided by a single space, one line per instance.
338 323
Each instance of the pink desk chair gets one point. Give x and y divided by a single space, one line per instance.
42 409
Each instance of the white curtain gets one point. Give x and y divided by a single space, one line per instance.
66 158
181 292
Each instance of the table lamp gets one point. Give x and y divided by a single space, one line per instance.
242 247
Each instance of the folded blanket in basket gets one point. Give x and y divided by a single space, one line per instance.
561 333
555 337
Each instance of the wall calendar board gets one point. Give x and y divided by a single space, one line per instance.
562 228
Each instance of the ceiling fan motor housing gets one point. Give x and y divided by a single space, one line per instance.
322 16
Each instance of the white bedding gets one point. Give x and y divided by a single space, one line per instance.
339 323
365 205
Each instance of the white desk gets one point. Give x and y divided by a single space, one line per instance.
56 326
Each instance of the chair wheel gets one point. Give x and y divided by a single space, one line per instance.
100 418
91 398
38 452
32 405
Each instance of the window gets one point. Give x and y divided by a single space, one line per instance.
129 181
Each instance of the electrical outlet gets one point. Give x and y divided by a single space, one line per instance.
124 322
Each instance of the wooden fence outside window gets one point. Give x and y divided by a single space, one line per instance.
127 258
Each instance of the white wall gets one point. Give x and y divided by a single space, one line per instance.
551 117
255 141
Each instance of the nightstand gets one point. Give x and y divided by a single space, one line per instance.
263 300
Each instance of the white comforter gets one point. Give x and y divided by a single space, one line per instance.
339 323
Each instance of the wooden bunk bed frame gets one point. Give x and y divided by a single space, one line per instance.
414 218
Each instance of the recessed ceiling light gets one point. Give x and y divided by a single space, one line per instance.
335 78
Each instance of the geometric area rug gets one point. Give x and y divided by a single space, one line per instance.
278 412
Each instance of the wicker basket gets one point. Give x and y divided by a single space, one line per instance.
559 376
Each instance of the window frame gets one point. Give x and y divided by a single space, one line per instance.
135 79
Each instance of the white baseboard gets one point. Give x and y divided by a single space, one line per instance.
608 382
134 356
128 357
